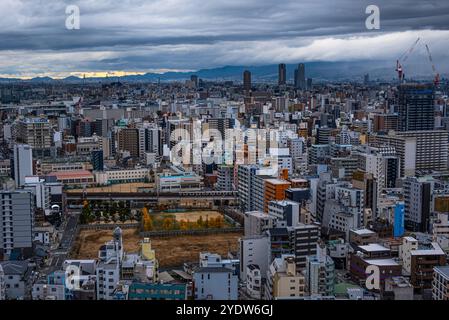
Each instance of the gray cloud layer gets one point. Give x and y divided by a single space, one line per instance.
138 35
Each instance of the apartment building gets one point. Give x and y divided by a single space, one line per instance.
16 213
440 284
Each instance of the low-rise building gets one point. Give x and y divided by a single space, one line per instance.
215 283
254 282
283 280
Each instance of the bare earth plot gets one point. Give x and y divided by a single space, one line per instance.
171 252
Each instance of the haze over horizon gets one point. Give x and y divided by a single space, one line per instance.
136 36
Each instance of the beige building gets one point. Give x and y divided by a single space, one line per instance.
283 281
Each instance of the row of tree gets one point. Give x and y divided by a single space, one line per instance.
110 213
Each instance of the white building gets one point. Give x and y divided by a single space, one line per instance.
40 191
320 273
109 268
285 212
440 227
254 250
254 281
16 213
23 163
257 222
215 283
122 176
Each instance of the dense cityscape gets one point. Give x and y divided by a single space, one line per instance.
225 190
223 158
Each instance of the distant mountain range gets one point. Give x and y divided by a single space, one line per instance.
318 71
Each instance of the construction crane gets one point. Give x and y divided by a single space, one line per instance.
404 58
436 80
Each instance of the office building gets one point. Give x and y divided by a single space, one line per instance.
300 77
416 107
246 80
282 74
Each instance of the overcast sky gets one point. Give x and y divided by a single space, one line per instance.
159 35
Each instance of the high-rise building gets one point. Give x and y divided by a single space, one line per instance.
36 132
128 140
366 79
16 212
194 79
246 177
418 198
153 140
247 80
416 107
300 77
282 79
417 150
22 163
225 180
306 239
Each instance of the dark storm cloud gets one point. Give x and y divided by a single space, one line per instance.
138 34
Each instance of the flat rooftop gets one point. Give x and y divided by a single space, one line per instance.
382 262
374 247
363 232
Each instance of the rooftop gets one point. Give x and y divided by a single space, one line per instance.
373 247
363 232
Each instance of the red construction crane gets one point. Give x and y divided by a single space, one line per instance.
404 58
436 80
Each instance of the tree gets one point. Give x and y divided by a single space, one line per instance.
183 225
168 223
97 215
147 220
200 222
106 217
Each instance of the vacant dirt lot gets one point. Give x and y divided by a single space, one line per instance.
171 252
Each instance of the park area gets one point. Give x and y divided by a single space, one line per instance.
171 252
